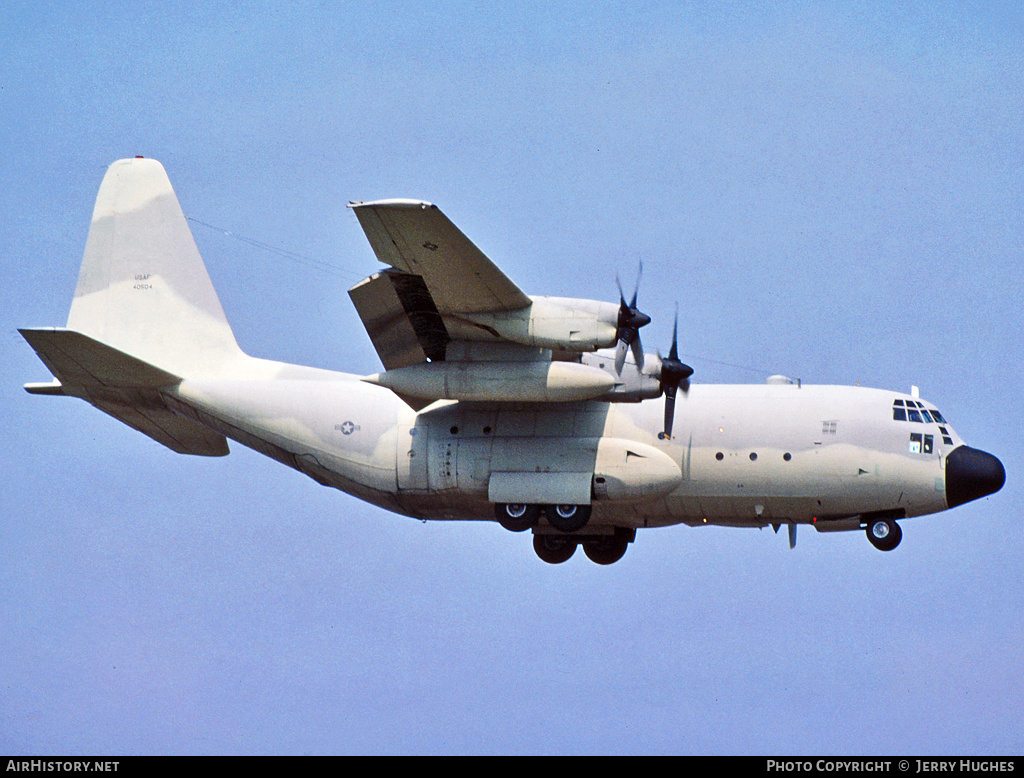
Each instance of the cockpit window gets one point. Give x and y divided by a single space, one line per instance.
921 444
913 410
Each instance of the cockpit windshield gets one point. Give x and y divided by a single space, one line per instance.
914 411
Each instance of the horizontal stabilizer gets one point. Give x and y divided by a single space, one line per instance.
120 385
179 434
80 361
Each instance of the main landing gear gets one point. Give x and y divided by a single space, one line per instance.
518 517
604 548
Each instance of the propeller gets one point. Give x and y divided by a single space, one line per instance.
674 375
630 320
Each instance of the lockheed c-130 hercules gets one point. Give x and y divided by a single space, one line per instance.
540 412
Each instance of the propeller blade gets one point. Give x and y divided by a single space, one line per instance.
630 320
673 353
620 356
638 352
674 375
670 412
636 286
792 535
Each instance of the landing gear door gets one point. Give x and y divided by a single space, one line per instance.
412 458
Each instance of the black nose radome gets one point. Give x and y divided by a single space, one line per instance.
971 474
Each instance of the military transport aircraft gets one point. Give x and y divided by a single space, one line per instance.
539 412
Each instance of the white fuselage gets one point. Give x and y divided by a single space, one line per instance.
521 420
747 455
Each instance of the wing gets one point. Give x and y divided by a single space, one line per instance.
417 239
448 324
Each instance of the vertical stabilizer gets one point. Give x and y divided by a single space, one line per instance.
143 288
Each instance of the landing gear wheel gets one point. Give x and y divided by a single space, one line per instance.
568 518
606 549
517 516
554 549
884 534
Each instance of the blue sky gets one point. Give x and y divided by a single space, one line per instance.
830 191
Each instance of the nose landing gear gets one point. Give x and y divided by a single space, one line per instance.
884 533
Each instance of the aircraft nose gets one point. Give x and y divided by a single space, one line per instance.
971 474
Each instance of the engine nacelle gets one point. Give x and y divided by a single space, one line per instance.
539 381
631 384
559 323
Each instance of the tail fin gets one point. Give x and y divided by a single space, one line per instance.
143 288
144 316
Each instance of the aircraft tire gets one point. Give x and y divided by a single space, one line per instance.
884 534
554 549
568 518
517 517
606 549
